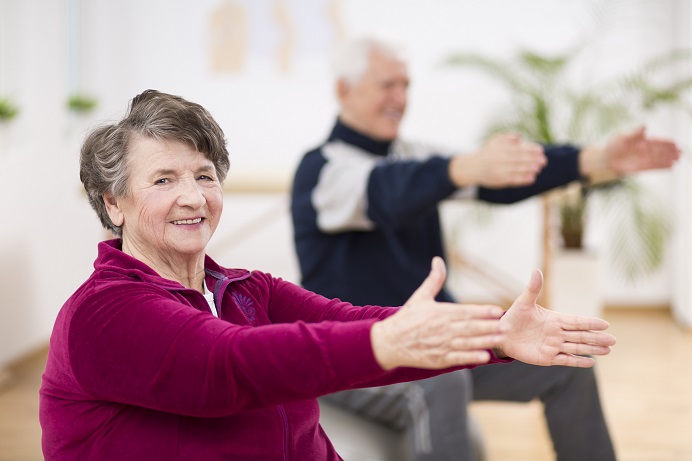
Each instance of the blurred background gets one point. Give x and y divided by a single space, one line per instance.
261 68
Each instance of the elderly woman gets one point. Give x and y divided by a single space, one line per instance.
163 354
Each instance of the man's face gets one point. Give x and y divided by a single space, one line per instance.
376 104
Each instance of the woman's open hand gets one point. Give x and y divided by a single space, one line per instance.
429 334
543 337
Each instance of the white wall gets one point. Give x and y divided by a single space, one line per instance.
48 235
270 116
682 256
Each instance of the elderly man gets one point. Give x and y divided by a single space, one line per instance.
366 224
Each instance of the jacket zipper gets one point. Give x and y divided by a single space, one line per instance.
220 286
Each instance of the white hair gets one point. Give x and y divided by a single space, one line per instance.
351 60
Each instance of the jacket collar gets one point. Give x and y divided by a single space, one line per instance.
343 132
112 258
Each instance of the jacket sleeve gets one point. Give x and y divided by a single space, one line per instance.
562 168
357 191
144 347
403 190
320 309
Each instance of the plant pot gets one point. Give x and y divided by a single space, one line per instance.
575 283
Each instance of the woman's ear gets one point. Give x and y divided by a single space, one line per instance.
113 209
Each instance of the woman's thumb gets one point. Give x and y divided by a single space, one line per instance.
432 284
532 290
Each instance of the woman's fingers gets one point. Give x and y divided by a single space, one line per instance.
573 361
470 343
461 358
596 338
466 329
572 322
584 349
456 312
470 350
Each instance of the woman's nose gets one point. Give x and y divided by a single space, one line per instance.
190 194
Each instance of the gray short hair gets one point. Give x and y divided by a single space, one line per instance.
103 166
351 60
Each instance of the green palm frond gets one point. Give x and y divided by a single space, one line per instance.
642 231
544 67
520 122
545 108
496 69
663 61
644 84
593 116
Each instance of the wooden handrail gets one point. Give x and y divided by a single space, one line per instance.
235 237
492 277
256 181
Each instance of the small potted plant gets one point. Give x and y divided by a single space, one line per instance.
81 103
8 110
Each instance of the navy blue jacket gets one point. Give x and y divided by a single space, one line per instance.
365 217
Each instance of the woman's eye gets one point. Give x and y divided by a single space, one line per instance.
162 181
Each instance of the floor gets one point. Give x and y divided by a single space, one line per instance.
646 386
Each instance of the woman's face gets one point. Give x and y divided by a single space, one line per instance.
175 200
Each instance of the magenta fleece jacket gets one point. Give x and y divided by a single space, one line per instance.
140 369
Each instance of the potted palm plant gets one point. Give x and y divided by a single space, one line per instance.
544 107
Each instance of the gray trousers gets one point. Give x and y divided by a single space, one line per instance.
432 413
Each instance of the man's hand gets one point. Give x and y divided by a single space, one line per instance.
504 160
543 337
628 153
428 334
